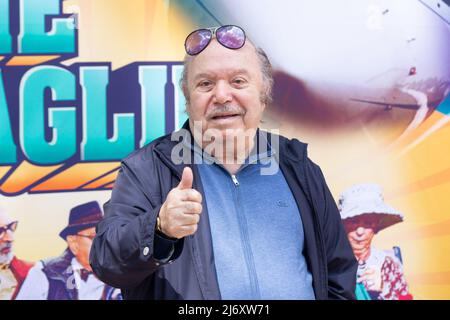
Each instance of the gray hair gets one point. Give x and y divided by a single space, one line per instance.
266 71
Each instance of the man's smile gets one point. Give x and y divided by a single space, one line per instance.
225 118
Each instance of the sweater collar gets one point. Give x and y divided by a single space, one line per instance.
283 150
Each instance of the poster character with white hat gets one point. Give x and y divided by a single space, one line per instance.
364 213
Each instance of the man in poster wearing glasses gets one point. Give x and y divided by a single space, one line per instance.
12 270
69 276
222 226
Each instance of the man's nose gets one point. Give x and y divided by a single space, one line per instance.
360 231
9 236
222 92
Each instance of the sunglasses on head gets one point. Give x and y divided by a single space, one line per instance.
12 227
231 37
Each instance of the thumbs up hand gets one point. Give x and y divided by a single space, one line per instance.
187 179
180 213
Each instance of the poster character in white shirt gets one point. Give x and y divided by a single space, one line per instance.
69 276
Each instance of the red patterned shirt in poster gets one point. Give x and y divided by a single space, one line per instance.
383 276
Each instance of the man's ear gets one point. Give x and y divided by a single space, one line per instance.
185 91
187 107
73 244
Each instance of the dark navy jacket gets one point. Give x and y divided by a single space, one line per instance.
122 251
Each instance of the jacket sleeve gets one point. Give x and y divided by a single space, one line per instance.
342 265
122 253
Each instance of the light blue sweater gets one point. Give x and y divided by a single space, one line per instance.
257 233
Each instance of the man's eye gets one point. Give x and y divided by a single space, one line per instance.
204 84
240 82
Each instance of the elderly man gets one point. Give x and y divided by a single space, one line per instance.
209 218
364 214
69 276
12 270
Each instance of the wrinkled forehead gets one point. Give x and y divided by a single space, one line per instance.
217 58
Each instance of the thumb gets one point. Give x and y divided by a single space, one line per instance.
186 179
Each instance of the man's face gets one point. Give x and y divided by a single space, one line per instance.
80 244
360 234
7 239
225 88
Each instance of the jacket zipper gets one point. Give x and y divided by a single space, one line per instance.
235 180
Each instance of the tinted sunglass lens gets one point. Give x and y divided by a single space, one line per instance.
231 37
197 41
13 226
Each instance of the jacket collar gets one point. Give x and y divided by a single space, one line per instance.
19 268
287 150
